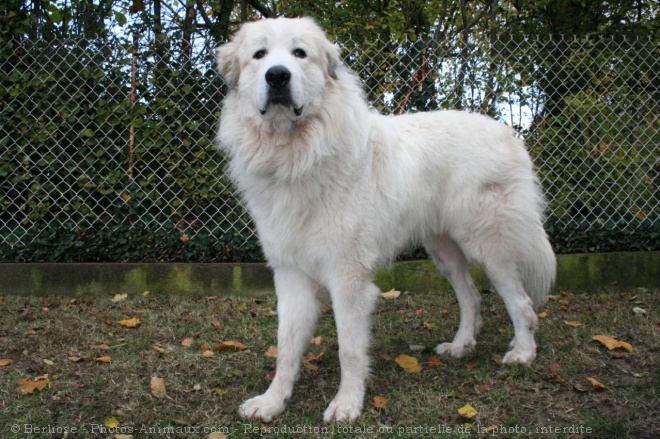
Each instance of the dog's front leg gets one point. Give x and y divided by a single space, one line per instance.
353 303
298 308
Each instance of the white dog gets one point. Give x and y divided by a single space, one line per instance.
335 190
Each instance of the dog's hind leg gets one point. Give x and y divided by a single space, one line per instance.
506 280
451 262
298 309
353 300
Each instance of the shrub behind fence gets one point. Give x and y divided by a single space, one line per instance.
108 148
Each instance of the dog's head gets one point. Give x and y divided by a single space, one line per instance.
279 67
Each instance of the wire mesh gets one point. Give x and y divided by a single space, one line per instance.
101 135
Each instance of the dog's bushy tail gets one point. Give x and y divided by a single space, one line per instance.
538 268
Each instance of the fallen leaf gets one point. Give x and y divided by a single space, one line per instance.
100 347
419 312
217 391
6 362
48 362
130 323
187 342
216 435
76 359
111 423
379 402
160 349
392 294
123 436
146 293
573 324
119 298
467 411
157 387
205 347
28 386
434 361
408 363
208 354
311 356
105 359
317 340
310 366
230 345
271 352
611 343
597 384
184 238
639 311
483 389
543 315
553 367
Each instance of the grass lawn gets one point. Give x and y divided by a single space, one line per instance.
89 376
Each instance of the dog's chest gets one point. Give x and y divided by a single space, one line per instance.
303 224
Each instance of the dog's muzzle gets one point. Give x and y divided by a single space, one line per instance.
279 91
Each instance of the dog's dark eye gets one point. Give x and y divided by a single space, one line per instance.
299 53
259 54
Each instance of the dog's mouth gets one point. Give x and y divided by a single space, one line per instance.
283 101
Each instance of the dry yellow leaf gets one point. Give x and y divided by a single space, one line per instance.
594 382
392 294
123 436
379 402
573 324
28 386
157 387
408 363
111 423
467 411
317 340
187 342
119 298
76 359
105 359
543 315
208 354
612 343
205 347
130 323
272 352
5 362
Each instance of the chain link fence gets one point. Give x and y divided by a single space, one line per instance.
108 147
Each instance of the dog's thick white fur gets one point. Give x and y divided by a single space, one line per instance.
336 189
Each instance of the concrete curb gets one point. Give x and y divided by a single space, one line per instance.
583 272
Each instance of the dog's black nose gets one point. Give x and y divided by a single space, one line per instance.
278 76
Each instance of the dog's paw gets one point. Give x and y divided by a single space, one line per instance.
263 407
343 409
455 349
519 356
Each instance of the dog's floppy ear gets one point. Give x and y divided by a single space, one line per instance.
334 62
228 65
